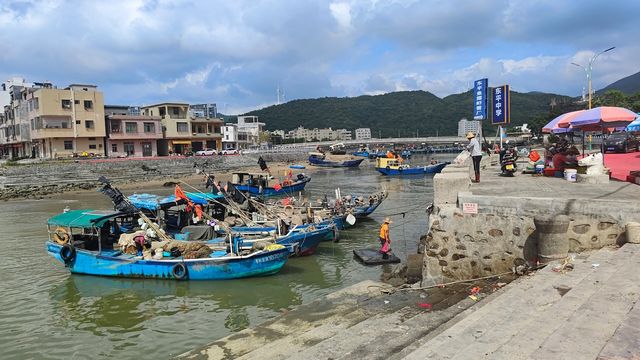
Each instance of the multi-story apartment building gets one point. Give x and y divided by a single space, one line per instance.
183 131
230 136
15 135
363 134
249 129
316 134
131 134
206 129
465 126
65 121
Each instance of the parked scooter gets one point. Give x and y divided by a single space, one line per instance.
508 163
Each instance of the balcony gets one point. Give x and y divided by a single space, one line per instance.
203 135
121 135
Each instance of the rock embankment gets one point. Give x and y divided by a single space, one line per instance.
37 179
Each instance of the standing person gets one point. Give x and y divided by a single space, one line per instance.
476 154
385 240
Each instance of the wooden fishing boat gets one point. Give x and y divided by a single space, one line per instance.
259 184
387 166
83 240
319 159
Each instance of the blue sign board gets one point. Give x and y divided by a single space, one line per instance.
501 105
480 97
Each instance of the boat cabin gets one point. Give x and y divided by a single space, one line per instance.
383 162
250 179
94 230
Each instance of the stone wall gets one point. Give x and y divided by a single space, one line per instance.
463 246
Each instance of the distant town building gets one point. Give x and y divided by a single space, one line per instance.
15 130
363 134
203 111
319 134
131 134
465 126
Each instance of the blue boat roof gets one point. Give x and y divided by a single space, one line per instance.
156 202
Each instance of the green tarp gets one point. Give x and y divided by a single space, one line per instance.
82 218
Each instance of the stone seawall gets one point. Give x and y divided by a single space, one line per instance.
502 234
49 177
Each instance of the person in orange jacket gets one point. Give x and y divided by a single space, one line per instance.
385 240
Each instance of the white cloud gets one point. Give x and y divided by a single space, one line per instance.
342 13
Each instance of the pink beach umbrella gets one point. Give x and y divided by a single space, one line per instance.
603 117
554 125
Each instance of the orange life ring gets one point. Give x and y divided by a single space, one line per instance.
60 236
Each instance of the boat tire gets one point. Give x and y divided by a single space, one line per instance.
67 253
179 271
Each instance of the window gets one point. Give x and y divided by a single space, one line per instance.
114 148
88 124
92 146
176 111
163 112
92 139
78 122
77 102
149 127
68 145
88 104
131 127
36 103
115 126
129 148
66 104
182 127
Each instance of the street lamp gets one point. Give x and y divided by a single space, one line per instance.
589 67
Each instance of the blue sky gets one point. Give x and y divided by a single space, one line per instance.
236 53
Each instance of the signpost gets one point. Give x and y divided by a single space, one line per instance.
501 109
480 91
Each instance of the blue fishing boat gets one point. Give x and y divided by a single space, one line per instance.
406 154
297 167
259 184
319 159
83 240
388 166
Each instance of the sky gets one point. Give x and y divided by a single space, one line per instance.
238 53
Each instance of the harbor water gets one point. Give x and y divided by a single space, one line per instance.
47 313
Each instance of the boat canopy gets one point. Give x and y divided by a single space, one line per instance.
83 218
156 202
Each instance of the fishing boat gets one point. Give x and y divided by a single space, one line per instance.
319 159
363 151
387 166
85 242
259 184
406 154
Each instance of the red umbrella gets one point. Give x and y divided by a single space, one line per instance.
554 125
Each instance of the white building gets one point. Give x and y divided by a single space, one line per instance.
249 129
465 126
363 134
316 134
230 136
343 134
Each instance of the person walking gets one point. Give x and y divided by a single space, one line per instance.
385 240
476 154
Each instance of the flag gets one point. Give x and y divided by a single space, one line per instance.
180 195
235 194
120 203
277 187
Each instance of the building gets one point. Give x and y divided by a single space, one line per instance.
465 126
249 129
65 122
15 132
363 133
204 111
176 127
230 136
326 134
131 134
206 128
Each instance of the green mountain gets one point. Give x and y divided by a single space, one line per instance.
628 85
398 113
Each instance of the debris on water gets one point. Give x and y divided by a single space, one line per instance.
423 296
562 289
473 297
475 290
595 265
425 305
386 301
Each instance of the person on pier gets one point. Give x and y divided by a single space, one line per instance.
385 240
476 154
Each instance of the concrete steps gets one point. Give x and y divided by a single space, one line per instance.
531 319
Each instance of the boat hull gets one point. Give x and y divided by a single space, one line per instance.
419 170
361 153
334 164
270 191
218 268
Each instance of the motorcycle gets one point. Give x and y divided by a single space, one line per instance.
508 163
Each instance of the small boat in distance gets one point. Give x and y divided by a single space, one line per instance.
387 166
362 151
338 149
319 159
